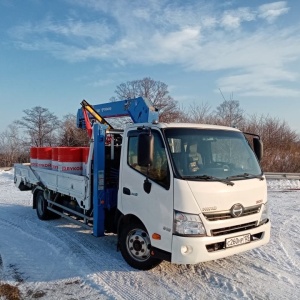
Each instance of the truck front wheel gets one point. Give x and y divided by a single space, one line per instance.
135 247
41 206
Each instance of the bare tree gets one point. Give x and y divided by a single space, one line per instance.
40 124
70 135
12 149
281 144
199 113
229 113
155 91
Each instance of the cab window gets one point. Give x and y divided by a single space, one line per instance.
159 170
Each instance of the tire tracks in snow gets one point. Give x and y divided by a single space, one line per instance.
17 249
57 242
288 228
270 272
96 259
210 280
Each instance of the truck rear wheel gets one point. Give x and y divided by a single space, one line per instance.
41 206
135 245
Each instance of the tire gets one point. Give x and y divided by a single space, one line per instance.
135 245
41 207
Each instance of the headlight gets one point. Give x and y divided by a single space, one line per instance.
265 214
188 224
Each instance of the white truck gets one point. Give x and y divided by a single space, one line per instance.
185 193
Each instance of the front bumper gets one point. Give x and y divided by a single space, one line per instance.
193 250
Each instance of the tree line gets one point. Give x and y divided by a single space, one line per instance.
40 127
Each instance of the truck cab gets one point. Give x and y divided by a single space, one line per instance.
199 195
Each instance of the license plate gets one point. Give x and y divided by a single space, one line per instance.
238 240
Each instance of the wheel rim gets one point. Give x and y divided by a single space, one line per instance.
40 205
138 244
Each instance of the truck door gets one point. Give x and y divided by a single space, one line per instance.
154 209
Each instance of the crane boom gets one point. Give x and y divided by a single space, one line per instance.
140 110
85 105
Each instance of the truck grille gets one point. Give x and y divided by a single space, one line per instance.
233 229
216 216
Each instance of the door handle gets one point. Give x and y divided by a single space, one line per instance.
126 191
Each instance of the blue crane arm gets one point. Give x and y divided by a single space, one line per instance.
139 109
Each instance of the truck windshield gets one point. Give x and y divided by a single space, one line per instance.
207 154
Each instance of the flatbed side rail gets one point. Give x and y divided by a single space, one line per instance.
75 186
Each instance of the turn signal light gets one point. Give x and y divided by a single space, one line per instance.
156 236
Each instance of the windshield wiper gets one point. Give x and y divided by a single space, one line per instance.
246 175
209 178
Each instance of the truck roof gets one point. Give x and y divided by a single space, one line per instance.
184 125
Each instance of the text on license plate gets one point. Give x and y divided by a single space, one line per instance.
238 240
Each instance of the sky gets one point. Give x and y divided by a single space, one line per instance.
55 53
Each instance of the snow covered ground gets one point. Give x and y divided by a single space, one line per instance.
59 260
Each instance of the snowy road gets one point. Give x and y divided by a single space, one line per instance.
58 260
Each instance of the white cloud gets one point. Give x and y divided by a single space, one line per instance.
101 83
174 46
240 50
209 22
142 14
267 82
194 37
233 19
70 29
230 21
272 11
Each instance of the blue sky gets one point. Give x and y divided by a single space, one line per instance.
55 53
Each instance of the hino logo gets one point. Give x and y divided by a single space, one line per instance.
236 210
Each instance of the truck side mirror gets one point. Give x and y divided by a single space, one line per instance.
145 149
258 148
145 155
